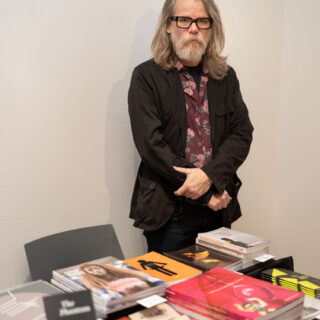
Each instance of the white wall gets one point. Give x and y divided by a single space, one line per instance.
68 159
254 35
277 53
297 216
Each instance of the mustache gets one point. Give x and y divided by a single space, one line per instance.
192 38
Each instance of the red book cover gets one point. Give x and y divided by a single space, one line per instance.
233 294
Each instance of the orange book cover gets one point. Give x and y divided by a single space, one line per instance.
162 267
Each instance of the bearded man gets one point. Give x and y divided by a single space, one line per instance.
191 129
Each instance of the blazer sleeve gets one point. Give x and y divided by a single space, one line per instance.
234 149
147 129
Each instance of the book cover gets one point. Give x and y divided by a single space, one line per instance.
233 239
112 280
203 258
234 295
26 301
162 267
161 311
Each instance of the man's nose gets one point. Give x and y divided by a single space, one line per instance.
193 28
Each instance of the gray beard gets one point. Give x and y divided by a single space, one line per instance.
189 51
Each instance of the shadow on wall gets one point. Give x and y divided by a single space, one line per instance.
121 157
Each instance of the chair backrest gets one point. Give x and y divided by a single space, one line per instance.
69 248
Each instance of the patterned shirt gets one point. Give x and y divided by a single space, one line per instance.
198 145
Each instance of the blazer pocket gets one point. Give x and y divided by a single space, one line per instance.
223 113
223 109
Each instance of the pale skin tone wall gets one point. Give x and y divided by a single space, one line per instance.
197 182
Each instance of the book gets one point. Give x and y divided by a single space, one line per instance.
204 258
235 296
311 308
114 284
293 280
234 240
162 267
161 311
26 301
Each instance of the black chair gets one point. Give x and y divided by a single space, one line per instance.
70 248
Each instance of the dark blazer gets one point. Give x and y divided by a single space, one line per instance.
159 124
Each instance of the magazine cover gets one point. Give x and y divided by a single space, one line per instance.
233 239
112 279
162 267
203 258
233 294
25 302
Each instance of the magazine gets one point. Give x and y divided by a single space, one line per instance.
111 281
26 301
204 258
234 240
162 267
234 295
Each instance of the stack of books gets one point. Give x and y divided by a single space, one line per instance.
226 295
162 267
293 280
204 258
26 301
114 284
235 243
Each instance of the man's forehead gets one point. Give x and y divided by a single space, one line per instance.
190 8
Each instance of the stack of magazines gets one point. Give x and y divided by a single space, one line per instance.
226 295
293 280
114 284
235 243
26 301
204 258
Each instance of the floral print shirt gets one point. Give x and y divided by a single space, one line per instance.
198 145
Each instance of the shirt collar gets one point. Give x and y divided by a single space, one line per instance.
181 68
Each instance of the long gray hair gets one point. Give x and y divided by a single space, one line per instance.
162 50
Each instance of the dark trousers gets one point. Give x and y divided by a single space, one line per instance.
183 227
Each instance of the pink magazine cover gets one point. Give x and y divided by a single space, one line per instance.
233 294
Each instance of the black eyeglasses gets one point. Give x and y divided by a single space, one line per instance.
186 22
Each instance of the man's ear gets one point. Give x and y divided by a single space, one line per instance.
169 27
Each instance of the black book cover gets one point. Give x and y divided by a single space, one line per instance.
202 258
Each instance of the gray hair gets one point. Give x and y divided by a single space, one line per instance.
162 50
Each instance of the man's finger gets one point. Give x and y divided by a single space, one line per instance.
181 191
182 170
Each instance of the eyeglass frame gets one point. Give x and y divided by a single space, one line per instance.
175 18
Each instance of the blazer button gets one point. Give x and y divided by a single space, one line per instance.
152 185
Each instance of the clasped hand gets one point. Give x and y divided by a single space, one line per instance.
219 201
197 183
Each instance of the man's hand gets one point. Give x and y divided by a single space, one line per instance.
196 184
219 201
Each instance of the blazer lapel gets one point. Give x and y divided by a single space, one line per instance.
216 96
